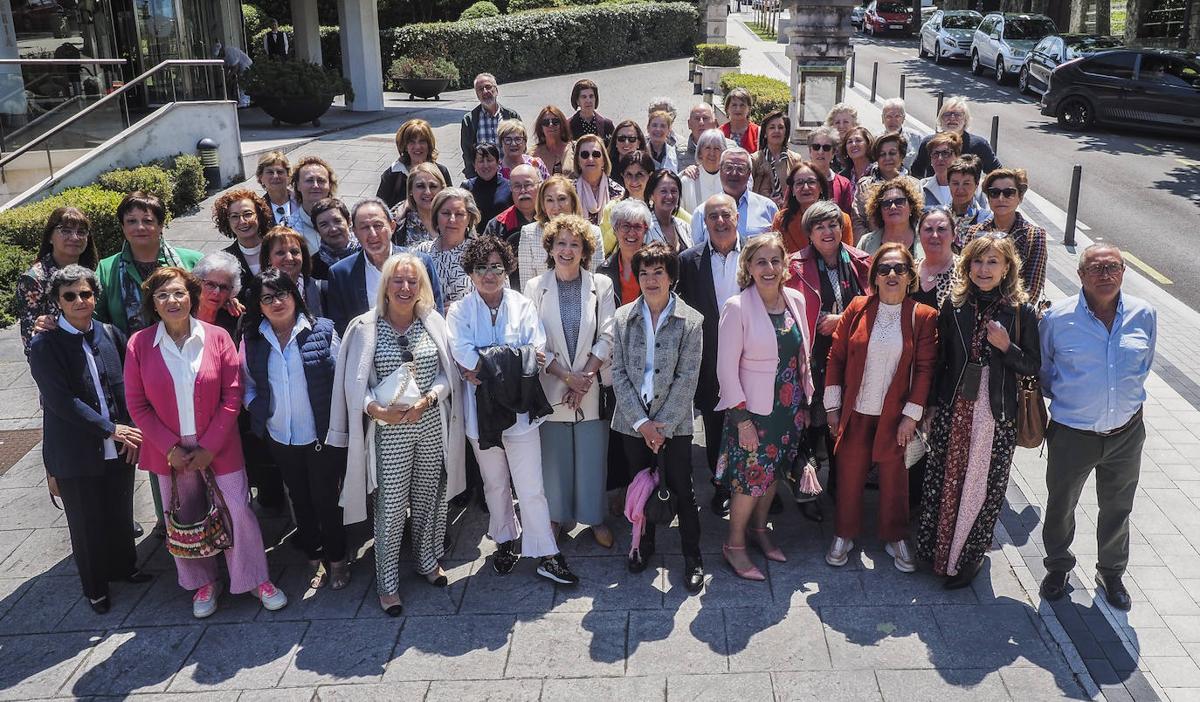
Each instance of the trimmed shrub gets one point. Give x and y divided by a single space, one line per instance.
479 10
294 78
254 19
151 179
515 6
535 44
437 67
22 226
191 187
718 55
769 94
14 261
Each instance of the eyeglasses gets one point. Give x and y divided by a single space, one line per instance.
627 139
996 193
942 153
522 186
886 269
176 296
821 147
590 154
221 287
269 299
1096 270
896 202
241 216
551 122
805 183
631 227
70 295
512 140
496 269
734 169
948 114
71 233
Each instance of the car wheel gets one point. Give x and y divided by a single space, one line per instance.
976 66
1023 80
1000 75
937 53
1075 113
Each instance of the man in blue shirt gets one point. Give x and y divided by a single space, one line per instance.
1097 350
755 212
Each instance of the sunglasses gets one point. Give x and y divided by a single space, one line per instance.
996 193
590 154
551 122
627 139
1096 270
886 269
896 202
70 295
494 269
406 354
821 147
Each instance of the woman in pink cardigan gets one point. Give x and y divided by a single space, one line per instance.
183 389
763 370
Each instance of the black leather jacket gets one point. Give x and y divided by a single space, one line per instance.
509 386
956 325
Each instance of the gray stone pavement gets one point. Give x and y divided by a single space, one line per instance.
810 631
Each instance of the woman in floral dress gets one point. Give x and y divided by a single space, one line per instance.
66 239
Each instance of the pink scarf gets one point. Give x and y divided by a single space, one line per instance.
591 202
640 489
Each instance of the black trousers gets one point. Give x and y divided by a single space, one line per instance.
314 481
261 469
714 425
677 463
100 520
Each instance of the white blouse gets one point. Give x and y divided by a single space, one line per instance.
183 363
696 192
884 350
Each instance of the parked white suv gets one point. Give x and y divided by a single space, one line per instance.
1003 41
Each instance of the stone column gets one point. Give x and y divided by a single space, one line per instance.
818 41
306 31
716 15
361 62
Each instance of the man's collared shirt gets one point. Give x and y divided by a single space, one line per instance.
724 272
485 131
755 214
1095 378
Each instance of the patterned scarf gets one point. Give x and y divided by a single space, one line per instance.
842 280
131 283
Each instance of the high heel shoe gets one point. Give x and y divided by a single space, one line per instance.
437 577
774 553
751 573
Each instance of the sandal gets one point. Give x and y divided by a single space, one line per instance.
774 553
339 575
751 573
320 575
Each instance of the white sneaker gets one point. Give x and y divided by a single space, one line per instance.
272 597
204 602
839 551
901 556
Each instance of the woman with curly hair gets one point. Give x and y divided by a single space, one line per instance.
893 208
243 215
417 145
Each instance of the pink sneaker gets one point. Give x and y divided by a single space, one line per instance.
204 602
272 598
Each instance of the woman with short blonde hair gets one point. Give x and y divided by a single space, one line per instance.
513 140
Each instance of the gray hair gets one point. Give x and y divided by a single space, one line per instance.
468 201
630 210
664 103
1098 246
220 262
69 275
960 102
734 151
892 103
378 202
485 75
821 211
710 137
824 131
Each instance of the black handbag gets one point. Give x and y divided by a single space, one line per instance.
660 505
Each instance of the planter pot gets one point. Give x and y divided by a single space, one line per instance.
710 76
424 88
295 110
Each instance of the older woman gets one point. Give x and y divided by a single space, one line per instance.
455 217
245 217
66 240
414 216
286 250
893 207
555 197
740 128
220 276
576 309
707 179
513 140
406 451
585 98
888 154
989 341
893 115
89 444
492 191
937 272
805 187
631 223
969 205
879 372
1005 189
635 168
830 273
417 145
854 155
763 370
592 182
627 138
183 387
822 149
955 116
944 147
552 138
842 117
487 328
663 193
773 160
273 174
287 358
332 219
659 141
313 180
655 368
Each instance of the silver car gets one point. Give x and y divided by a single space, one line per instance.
1003 42
948 34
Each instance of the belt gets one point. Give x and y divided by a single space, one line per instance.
1137 416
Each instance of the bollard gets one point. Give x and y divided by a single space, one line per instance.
692 69
903 80
210 158
941 96
708 95
874 79
853 63
995 131
1073 206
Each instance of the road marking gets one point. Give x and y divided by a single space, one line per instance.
1147 148
1188 162
1147 268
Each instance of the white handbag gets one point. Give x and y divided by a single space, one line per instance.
399 388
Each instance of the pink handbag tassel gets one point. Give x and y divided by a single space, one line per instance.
809 485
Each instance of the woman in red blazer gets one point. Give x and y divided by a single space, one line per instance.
880 371
178 356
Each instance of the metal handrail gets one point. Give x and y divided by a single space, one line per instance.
111 97
37 121
62 62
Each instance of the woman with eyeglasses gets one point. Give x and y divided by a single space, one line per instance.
415 215
888 153
66 240
576 309
702 179
955 116
495 322
989 338
416 143
635 168
631 223
555 197
740 128
286 250
822 151
1005 189
944 147
406 453
585 98
513 140
592 182
553 139
663 194
967 202
805 187
627 138
877 383
771 163
854 153
245 217
220 276
893 207
287 358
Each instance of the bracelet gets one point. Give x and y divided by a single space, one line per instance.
432 398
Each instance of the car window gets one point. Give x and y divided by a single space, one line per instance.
1168 71
960 22
986 26
1045 46
1086 44
1028 28
1114 65
893 8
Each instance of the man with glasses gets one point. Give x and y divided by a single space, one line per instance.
523 181
755 212
893 121
480 124
1097 349
701 119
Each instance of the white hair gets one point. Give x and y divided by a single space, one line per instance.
710 137
221 262
961 103
892 103
630 210
734 151
1098 246
663 103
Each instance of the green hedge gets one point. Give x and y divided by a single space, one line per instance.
479 10
254 19
718 55
535 44
22 226
515 6
149 179
769 94
331 45
190 184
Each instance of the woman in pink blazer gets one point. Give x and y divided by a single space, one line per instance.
763 370
183 389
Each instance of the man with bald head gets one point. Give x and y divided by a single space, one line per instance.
755 212
523 181
707 278
1097 350
701 118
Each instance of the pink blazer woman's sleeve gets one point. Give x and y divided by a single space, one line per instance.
224 423
731 335
154 432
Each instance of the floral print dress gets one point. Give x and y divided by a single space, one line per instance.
33 296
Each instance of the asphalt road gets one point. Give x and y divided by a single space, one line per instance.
1139 190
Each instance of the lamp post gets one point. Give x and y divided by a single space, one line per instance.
818 47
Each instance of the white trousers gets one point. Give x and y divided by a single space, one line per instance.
519 464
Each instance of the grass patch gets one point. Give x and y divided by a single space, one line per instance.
763 31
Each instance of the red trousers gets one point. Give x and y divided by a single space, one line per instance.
854 458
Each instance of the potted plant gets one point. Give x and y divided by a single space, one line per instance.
713 61
294 91
423 76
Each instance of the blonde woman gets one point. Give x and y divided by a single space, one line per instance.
415 215
555 197
513 140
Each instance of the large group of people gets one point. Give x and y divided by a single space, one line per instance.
866 312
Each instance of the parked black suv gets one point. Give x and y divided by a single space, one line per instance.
1155 88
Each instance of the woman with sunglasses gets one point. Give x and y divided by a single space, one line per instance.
1005 189
592 182
877 382
585 98
66 239
805 187
822 151
555 197
955 116
553 139
635 169
989 338
663 194
627 138
513 139
893 208
888 153
771 163
944 147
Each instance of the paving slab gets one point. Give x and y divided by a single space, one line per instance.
240 657
37 665
826 685
683 641
747 686
131 661
342 652
569 645
474 646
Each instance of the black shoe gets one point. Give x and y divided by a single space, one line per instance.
811 510
395 610
964 576
100 606
138 576
693 570
505 558
555 568
138 530
1114 591
640 559
1054 585
720 501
